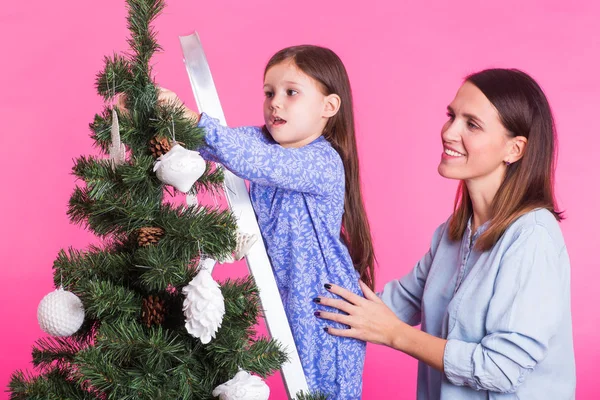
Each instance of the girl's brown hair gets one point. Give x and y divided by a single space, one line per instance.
324 66
529 182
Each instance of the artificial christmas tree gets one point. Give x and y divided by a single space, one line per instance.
134 342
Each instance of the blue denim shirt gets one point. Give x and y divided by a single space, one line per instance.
505 312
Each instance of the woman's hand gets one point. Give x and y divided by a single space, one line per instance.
369 318
372 321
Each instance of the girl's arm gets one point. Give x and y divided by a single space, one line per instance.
315 168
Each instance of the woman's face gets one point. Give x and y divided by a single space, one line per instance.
475 143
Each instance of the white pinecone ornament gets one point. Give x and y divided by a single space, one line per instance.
203 307
60 313
243 386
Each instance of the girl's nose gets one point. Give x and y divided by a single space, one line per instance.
275 102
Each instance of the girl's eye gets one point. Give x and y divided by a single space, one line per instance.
268 94
450 115
292 92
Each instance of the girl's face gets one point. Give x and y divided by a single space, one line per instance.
295 108
475 143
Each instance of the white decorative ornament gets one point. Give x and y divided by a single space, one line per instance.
191 200
117 149
203 307
60 313
244 242
243 386
180 168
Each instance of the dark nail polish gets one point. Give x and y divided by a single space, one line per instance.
328 286
326 329
317 313
317 300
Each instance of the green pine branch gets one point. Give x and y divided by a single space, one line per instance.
115 214
159 267
73 267
52 352
132 362
263 356
210 230
104 180
211 181
311 396
97 371
234 346
119 211
143 37
144 120
116 77
111 303
54 385
243 307
130 343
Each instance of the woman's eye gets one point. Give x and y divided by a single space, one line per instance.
472 125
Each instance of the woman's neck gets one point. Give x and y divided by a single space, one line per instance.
482 193
482 206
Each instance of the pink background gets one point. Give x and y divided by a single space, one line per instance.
405 60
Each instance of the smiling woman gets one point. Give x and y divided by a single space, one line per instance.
492 294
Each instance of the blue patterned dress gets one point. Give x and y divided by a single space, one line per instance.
298 197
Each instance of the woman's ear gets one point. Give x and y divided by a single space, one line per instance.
517 149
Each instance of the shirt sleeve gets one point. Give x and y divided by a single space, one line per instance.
523 316
403 296
315 168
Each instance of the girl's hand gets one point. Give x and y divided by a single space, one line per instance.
165 96
369 318
120 102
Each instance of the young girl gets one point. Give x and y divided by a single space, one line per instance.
492 294
304 186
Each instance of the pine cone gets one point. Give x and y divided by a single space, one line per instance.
149 235
153 311
159 146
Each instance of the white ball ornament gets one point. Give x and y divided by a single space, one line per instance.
60 313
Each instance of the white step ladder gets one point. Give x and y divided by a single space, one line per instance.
257 259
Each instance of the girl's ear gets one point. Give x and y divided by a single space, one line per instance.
332 105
